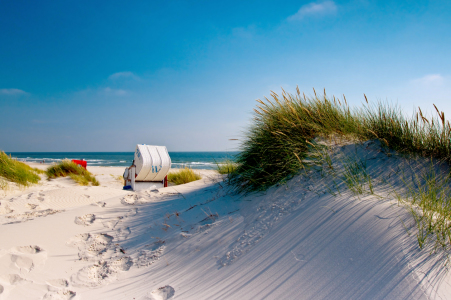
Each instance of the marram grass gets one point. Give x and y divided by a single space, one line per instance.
226 167
182 176
74 171
280 143
14 171
281 135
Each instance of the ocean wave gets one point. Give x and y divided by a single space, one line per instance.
193 165
94 159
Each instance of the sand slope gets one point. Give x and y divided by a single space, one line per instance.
199 241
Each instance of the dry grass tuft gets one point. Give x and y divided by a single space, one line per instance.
16 171
226 167
183 176
76 172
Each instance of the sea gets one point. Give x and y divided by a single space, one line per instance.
194 160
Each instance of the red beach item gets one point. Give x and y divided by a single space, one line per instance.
82 163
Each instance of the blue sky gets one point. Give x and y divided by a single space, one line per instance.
104 76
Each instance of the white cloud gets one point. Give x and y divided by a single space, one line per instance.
12 92
430 79
122 75
314 9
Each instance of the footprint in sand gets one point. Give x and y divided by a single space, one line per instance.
63 294
5 209
150 254
30 249
23 263
110 224
92 246
14 279
123 233
58 283
131 213
99 204
102 272
32 206
1 289
85 220
164 293
41 199
130 199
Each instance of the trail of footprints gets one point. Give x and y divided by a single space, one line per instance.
103 250
31 201
24 259
107 256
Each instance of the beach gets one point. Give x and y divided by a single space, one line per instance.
200 241
188 150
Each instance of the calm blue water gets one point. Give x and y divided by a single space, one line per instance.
195 160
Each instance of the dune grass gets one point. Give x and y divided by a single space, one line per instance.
280 138
281 142
226 167
16 171
74 171
182 176
428 199
356 176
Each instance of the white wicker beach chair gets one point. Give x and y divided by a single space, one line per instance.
149 169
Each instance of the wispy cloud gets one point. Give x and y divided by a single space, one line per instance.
123 75
116 92
430 79
12 92
314 9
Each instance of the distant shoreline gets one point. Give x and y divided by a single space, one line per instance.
194 160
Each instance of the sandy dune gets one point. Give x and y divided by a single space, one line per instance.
199 241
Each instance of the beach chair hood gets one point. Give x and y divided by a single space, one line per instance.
152 162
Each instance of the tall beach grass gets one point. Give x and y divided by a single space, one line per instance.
183 176
74 171
280 138
226 167
15 171
282 141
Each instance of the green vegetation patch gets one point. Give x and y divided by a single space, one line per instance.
76 172
182 176
279 141
226 167
15 171
428 199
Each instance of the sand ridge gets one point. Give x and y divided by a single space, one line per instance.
200 241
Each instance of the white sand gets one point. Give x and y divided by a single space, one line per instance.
197 241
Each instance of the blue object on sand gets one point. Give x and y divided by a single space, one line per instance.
127 187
